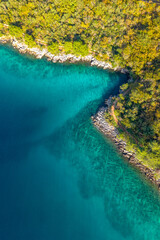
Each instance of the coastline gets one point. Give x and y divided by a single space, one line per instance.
61 58
98 119
112 133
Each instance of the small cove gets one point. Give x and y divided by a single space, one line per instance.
59 177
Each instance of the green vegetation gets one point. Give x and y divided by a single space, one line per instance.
148 158
79 48
139 112
29 40
54 48
125 33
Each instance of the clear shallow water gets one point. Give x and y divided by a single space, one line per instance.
59 178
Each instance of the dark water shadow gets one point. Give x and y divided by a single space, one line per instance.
129 203
16 131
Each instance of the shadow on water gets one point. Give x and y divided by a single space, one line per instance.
128 205
15 125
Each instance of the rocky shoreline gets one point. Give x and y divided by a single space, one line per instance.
112 133
99 119
61 58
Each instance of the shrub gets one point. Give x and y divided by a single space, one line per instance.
15 31
54 48
68 48
29 40
79 48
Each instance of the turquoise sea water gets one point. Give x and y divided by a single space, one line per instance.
59 178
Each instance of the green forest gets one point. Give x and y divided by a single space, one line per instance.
125 33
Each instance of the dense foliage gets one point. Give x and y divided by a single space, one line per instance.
123 32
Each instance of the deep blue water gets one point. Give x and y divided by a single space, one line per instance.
59 178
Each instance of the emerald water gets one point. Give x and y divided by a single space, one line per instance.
60 179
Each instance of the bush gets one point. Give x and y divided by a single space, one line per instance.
15 31
80 49
54 48
68 48
124 87
29 40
